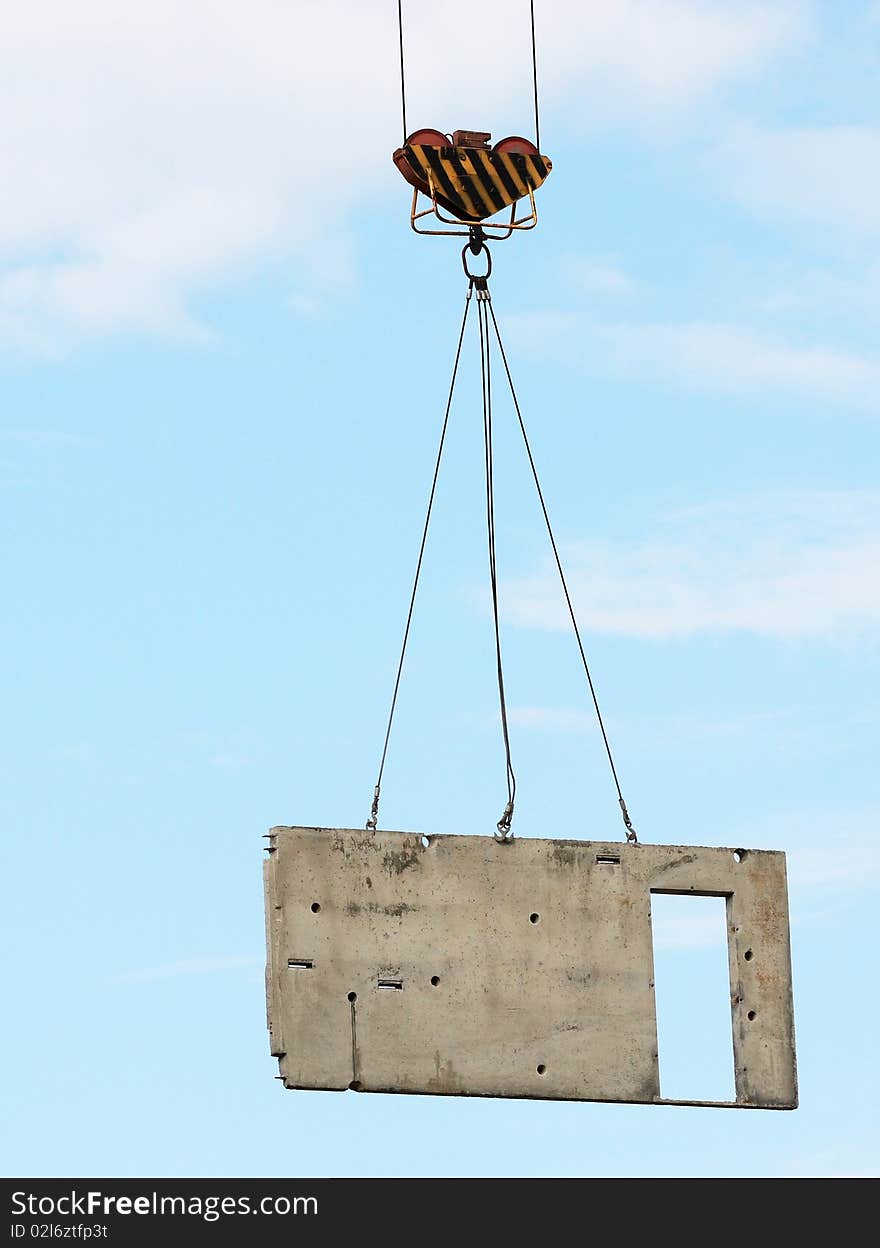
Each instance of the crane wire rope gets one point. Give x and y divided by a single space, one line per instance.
402 79
535 76
534 71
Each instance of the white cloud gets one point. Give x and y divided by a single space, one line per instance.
845 862
736 358
704 356
598 276
642 58
820 176
847 295
152 149
832 854
782 566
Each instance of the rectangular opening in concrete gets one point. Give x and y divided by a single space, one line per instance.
391 983
692 991
299 964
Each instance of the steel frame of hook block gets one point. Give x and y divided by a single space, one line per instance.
460 966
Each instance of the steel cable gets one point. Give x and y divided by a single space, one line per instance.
374 810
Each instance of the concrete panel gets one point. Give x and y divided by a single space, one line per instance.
458 965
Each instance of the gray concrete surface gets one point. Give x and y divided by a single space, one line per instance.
473 968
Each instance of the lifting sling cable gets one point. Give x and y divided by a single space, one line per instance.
534 72
503 833
485 310
374 810
630 830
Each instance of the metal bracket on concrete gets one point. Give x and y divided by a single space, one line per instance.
458 966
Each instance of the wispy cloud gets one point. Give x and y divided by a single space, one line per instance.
833 854
188 966
596 275
186 145
644 60
704 356
846 293
739 358
783 566
825 176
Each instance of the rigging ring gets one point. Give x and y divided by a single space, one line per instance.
476 277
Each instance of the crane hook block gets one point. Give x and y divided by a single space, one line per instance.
462 174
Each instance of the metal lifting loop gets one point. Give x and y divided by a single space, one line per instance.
479 279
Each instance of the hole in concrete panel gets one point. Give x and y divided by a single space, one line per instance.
692 993
435 980
751 1016
352 996
748 955
534 918
355 1085
426 841
739 854
391 983
609 859
300 964
316 906
541 1068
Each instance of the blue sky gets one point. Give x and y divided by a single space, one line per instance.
223 359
